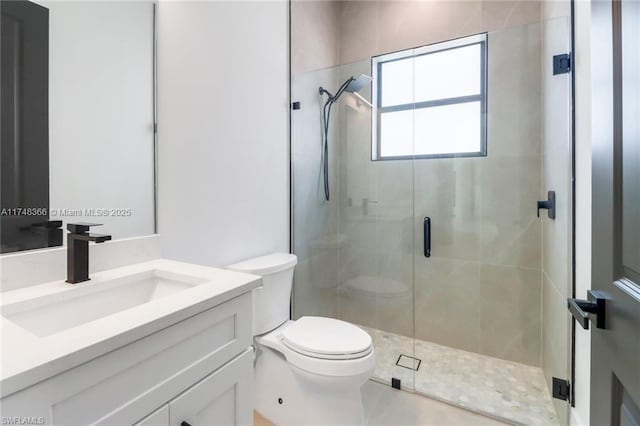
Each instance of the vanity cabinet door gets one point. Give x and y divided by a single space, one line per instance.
160 417
225 397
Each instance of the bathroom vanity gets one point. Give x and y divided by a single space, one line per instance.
155 343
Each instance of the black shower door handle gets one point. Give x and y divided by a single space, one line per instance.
427 236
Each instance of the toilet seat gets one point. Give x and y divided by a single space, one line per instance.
327 338
302 351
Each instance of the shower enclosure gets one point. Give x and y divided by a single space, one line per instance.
433 246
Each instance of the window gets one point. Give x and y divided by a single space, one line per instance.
431 101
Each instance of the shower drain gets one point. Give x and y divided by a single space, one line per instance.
409 362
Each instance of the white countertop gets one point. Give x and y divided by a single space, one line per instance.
26 359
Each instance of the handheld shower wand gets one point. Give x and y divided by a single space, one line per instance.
352 85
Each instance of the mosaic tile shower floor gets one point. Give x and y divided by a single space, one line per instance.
496 387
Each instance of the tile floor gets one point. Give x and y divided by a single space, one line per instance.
385 406
499 388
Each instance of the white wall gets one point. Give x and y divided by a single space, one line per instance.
223 130
580 414
101 113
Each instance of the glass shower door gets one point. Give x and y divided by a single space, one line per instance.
375 215
557 233
355 250
490 315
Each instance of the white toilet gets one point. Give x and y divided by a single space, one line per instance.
308 371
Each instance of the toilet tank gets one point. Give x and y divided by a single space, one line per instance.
271 301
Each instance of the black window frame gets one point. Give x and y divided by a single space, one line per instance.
376 67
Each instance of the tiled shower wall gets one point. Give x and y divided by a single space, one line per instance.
482 288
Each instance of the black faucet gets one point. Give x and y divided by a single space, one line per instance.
78 250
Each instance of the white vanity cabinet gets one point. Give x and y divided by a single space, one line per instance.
221 398
160 417
198 371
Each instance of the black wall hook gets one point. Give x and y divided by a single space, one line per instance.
549 204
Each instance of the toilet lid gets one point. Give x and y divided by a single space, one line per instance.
327 338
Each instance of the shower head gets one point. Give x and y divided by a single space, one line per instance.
352 85
358 83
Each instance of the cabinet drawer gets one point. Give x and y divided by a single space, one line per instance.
125 385
223 398
159 417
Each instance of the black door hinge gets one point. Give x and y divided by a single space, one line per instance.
561 389
395 383
295 105
561 64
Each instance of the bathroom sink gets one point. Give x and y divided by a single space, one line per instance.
52 327
83 303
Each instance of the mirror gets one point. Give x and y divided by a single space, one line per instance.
78 114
